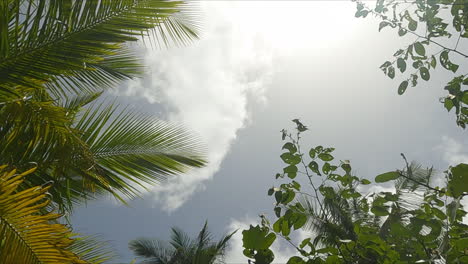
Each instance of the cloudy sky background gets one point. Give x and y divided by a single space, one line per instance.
257 66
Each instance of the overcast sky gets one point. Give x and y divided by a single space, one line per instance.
257 66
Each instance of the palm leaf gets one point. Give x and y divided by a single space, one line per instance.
154 251
26 235
131 148
73 46
92 249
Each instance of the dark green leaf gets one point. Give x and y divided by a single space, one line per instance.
295 260
388 176
257 238
271 191
278 196
379 210
325 157
412 25
365 182
291 171
314 167
290 158
401 64
402 32
424 73
291 147
419 48
391 72
277 211
402 87
458 183
448 104
383 24
312 153
433 62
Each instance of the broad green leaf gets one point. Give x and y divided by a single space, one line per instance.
391 72
388 176
312 153
291 170
257 238
402 87
300 221
419 48
424 73
295 260
401 64
277 211
433 62
290 158
325 157
412 25
383 24
448 104
465 97
291 147
271 191
314 167
402 32
458 184
379 210
365 182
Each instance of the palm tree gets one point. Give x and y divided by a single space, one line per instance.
335 222
56 59
181 249
29 236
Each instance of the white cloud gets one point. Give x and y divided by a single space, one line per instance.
453 151
281 249
207 87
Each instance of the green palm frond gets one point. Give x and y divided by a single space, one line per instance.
335 221
27 235
106 151
184 250
154 251
72 46
179 239
132 148
34 131
413 176
92 250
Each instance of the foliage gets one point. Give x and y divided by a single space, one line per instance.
432 23
56 59
181 249
417 223
30 236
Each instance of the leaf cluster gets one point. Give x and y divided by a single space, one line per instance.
416 223
427 23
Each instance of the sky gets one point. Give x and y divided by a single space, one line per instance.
257 66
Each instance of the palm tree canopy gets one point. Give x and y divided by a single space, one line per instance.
181 249
28 236
75 46
56 58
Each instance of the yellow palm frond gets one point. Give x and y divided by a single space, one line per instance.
27 235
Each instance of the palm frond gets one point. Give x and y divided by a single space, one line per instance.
35 131
27 236
184 250
154 251
72 46
413 176
204 237
179 239
132 148
92 249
